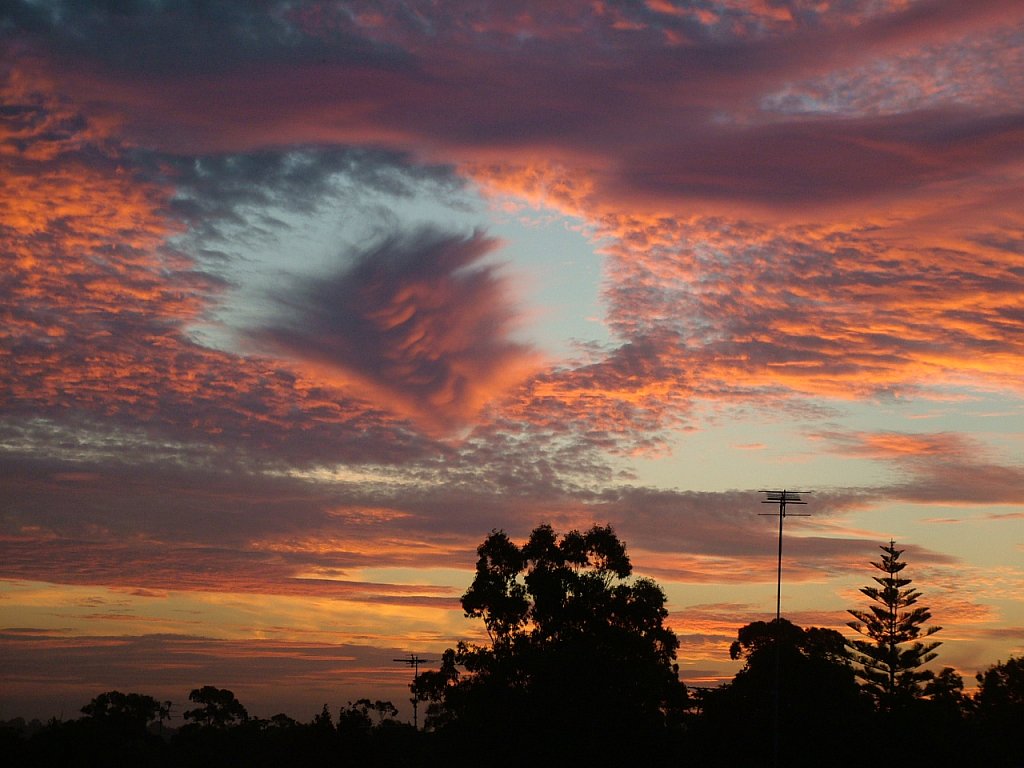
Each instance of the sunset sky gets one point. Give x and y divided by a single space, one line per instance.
300 300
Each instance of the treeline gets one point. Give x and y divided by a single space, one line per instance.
824 719
827 715
120 730
580 670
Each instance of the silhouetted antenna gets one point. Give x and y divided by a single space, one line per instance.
165 714
782 498
414 661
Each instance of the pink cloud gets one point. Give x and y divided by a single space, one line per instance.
892 445
763 246
755 317
416 324
940 468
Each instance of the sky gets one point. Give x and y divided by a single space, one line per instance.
301 300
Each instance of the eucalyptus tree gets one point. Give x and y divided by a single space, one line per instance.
999 702
579 657
217 708
128 710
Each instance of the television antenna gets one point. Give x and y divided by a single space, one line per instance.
782 498
414 661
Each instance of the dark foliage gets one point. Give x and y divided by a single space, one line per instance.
99 742
819 701
218 708
128 712
580 660
1000 713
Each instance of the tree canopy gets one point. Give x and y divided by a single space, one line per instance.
1001 687
819 701
217 708
127 710
1000 711
579 652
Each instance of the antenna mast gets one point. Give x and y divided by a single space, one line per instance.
782 498
414 661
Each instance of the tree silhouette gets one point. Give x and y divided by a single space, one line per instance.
820 701
1001 687
218 707
580 660
999 704
133 711
945 692
891 657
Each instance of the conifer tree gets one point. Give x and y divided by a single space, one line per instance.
893 653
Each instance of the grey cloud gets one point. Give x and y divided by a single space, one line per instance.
936 467
823 159
173 38
706 144
961 482
305 179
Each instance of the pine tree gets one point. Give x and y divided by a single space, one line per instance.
891 657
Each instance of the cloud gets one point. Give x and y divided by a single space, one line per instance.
963 482
799 207
812 310
939 468
741 292
621 400
897 445
227 197
703 307
416 324
150 38
206 529
159 527
99 305
358 79
815 162
53 673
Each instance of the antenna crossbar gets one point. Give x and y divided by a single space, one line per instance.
414 661
782 498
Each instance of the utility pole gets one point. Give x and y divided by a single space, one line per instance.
782 498
414 661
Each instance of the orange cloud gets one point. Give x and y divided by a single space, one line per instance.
887 445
